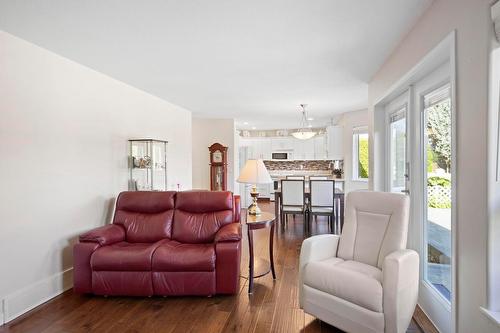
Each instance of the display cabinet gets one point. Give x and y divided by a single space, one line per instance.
147 165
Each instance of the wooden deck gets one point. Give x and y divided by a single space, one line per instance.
273 306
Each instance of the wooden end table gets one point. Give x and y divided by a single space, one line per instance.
255 222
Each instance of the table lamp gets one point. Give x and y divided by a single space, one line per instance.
254 172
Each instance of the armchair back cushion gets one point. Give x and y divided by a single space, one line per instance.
146 216
200 214
375 225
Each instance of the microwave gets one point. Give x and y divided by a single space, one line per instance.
281 155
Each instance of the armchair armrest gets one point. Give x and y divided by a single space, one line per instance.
400 281
316 248
229 233
105 235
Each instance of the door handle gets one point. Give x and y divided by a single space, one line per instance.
405 191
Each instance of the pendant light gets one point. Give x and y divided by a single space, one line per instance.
303 133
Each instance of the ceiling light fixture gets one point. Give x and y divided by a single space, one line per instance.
303 133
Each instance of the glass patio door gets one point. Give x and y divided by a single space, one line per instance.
437 184
397 151
432 186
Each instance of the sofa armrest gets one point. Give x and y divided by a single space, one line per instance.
237 208
229 233
400 281
316 248
105 235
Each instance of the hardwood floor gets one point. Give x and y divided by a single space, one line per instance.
273 306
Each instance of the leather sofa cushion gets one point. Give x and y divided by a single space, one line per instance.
146 216
124 256
200 214
199 227
204 201
352 281
173 256
149 202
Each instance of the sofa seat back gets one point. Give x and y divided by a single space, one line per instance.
146 216
200 214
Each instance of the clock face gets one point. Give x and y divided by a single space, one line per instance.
217 156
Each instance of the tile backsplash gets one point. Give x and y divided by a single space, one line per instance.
305 165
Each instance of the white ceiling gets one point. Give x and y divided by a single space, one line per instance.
255 61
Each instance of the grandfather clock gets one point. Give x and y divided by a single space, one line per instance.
218 167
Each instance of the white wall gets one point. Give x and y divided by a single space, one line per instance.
472 23
349 121
205 133
63 148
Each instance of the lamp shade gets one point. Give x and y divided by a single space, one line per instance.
303 135
254 172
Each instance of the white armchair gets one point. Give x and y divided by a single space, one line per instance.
364 280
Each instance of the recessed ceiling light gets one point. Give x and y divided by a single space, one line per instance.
245 123
309 126
253 127
310 119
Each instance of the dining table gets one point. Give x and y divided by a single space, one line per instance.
338 203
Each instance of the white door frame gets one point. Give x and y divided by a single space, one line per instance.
444 52
429 298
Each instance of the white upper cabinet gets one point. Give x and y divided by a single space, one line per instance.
335 142
265 149
320 147
303 149
278 144
258 148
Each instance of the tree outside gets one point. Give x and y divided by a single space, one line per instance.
439 133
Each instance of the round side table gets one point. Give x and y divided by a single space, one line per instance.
255 222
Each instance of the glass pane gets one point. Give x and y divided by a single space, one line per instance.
438 196
398 154
363 155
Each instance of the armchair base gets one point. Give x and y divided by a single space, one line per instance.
340 313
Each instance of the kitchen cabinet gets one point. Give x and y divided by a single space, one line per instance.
265 149
258 148
320 149
316 148
303 149
335 144
278 144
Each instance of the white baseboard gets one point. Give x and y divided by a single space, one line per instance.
33 295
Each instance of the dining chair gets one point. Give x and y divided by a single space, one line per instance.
296 177
322 201
318 177
292 199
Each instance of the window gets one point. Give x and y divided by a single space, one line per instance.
360 153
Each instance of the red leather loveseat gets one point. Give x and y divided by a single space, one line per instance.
163 243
